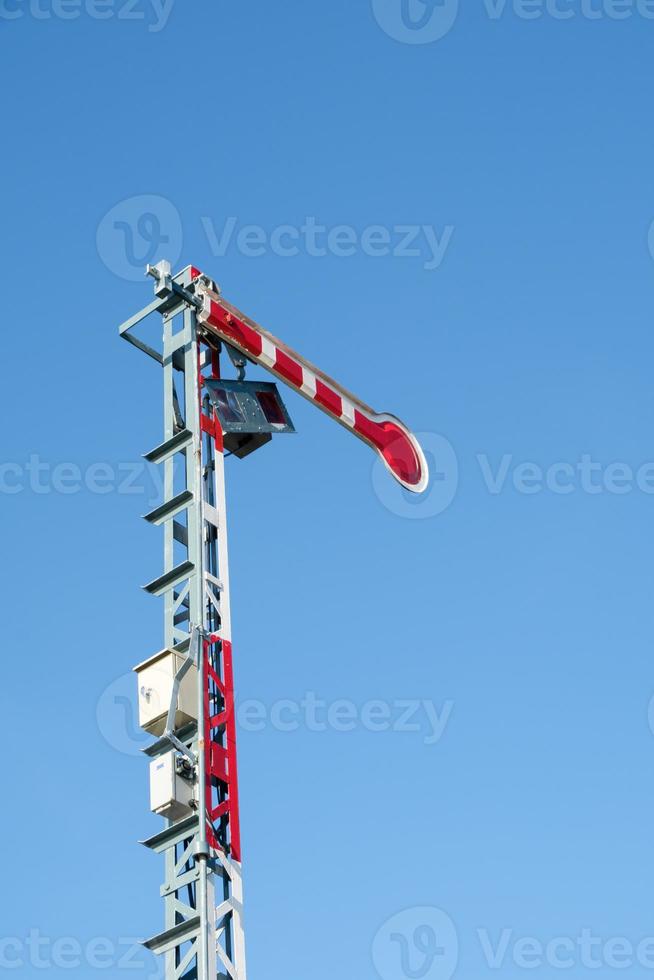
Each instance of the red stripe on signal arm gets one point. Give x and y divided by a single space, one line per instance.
289 369
328 399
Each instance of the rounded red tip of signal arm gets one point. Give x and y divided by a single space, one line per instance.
396 445
398 448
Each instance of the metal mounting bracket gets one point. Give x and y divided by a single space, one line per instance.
238 360
192 658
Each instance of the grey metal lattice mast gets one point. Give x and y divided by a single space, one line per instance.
186 691
202 857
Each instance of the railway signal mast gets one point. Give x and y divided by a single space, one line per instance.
186 691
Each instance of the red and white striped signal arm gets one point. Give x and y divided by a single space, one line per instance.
396 445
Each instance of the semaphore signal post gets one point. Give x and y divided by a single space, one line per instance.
186 691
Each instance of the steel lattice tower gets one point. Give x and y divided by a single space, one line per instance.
202 890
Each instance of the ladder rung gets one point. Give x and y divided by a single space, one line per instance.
162 744
169 579
171 446
171 938
179 831
169 508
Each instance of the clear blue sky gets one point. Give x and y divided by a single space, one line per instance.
518 150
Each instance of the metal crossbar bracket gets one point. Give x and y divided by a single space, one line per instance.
170 508
174 937
171 446
170 579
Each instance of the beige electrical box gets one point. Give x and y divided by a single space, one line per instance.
171 794
155 688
